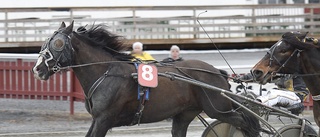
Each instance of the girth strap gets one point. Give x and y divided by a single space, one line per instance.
143 95
138 115
96 84
93 88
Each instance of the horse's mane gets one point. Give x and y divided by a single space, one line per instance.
296 40
99 36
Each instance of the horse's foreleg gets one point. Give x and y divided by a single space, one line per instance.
99 127
316 114
181 122
90 129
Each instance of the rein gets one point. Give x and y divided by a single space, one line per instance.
297 75
204 70
87 64
109 62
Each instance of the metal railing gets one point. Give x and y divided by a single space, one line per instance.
163 22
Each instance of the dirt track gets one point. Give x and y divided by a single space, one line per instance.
36 118
18 116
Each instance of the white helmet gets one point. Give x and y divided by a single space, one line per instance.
137 44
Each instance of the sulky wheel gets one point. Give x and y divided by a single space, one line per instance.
293 130
221 129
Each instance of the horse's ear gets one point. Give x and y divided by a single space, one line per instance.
69 28
63 25
305 34
301 36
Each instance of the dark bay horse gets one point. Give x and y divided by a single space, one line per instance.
291 55
114 103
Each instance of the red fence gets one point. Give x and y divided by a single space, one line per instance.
17 82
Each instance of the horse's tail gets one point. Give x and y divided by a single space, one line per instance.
252 127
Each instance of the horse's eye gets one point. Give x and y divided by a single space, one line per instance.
58 44
283 51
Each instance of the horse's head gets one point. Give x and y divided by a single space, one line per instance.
55 52
283 57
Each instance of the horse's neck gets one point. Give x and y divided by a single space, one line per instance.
87 75
310 64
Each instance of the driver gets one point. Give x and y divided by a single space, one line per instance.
282 96
138 53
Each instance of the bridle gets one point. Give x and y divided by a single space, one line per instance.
273 57
46 50
295 52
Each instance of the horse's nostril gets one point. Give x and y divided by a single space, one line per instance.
37 69
257 73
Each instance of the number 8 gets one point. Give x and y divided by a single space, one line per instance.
147 70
